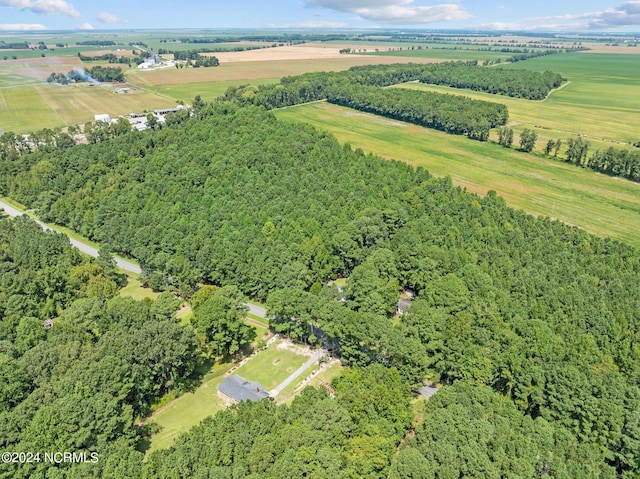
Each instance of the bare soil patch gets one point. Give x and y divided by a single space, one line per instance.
620 49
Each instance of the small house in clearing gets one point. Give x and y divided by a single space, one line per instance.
403 305
235 389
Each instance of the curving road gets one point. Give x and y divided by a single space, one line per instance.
128 266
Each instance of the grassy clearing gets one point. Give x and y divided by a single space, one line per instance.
288 394
183 413
327 375
272 366
600 204
135 290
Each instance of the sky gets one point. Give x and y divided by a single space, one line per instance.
532 15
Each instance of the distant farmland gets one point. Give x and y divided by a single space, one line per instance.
601 100
543 186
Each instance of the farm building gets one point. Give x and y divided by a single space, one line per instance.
235 389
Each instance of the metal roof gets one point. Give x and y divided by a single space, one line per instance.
239 389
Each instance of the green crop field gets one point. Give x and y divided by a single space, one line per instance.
600 204
77 104
601 99
32 108
23 109
469 53
208 91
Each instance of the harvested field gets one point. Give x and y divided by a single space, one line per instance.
255 70
77 104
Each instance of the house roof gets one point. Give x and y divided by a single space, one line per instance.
239 389
403 304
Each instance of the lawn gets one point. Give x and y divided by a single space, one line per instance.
272 366
600 204
183 413
189 409
135 290
287 395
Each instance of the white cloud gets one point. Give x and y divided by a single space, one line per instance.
22 26
395 12
85 26
48 7
627 14
312 24
106 17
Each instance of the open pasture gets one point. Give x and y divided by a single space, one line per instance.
22 109
542 186
31 108
600 101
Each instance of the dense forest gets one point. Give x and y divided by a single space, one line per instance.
450 113
516 83
536 319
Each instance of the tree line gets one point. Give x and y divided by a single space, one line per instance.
450 113
540 313
621 162
97 73
515 83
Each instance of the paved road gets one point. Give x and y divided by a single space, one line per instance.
128 266
257 310
316 357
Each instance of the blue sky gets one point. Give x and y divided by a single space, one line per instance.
543 15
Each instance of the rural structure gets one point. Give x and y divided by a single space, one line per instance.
235 389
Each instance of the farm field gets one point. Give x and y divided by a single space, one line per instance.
23 109
30 108
600 204
257 70
601 99
464 54
78 103
208 91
